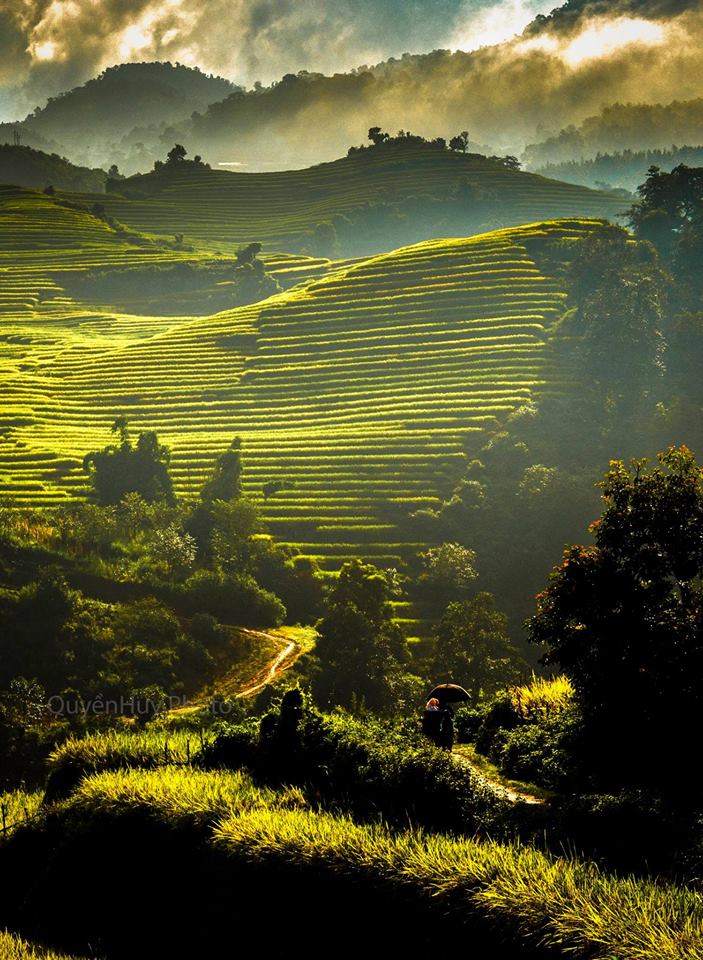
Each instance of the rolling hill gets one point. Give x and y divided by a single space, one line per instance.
360 388
25 167
375 200
131 99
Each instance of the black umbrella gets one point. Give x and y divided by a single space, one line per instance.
450 693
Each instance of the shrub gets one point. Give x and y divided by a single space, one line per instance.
370 767
533 733
541 753
542 697
237 599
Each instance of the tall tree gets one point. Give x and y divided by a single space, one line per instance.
460 142
471 647
225 482
624 618
668 202
377 136
118 470
360 651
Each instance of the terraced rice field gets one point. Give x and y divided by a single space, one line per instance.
360 388
280 209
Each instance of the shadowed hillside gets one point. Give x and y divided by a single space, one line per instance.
25 167
372 200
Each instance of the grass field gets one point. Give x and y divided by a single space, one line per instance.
14 948
360 388
544 905
281 209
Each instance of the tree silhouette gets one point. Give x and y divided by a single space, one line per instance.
176 154
116 471
377 136
225 483
624 618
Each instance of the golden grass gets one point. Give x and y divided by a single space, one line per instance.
15 948
542 697
567 905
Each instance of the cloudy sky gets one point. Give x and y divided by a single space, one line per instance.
50 45
47 46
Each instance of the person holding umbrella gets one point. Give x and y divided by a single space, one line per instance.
432 721
438 719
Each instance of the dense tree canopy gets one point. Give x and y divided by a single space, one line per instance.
669 203
624 618
124 468
361 652
472 647
225 482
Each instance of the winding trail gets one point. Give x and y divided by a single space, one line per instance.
500 790
288 652
281 662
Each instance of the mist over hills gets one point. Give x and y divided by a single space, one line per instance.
130 100
611 67
386 196
619 126
293 430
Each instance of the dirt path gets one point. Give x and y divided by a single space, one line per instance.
288 652
498 789
281 662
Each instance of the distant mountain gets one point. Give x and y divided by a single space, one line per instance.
560 71
89 122
24 167
623 126
625 170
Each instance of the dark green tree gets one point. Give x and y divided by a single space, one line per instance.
120 469
668 202
622 342
619 296
247 254
360 651
252 281
460 142
225 482
377 136
176 154
624 618
223 521
471 647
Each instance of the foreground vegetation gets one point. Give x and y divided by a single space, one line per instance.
512 897
14 948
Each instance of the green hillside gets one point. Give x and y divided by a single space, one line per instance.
26 167
377 199
361 388
44 241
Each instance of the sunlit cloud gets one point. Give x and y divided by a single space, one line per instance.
45 51
603 38
599 39
134 38
496 24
